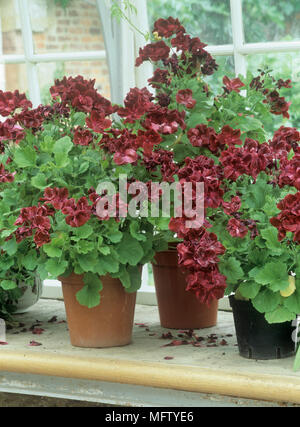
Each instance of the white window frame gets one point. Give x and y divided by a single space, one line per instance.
121 49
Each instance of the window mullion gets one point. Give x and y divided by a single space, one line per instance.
238 36
32 74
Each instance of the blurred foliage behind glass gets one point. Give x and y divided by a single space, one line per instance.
264 20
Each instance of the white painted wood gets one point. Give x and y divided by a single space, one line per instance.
238 37
32 74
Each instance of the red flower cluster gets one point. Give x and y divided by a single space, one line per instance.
251 159
57 197
185 97
35 218
233 206
198 254
11 131
163 120
206 137
284 139
82 137
278 104
5 176
161 160
237 228
289 218
232 85
204 169
153 52
137 103
81 95
159 78
168 27
78 213
290 172
97 121
11 101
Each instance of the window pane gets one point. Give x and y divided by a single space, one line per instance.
285 66
12 42
13 76
98 70
74 28
271 20
208 19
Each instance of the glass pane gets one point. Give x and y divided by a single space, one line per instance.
207 19
271 20
74 28
12 42
285 66
98 70
13 76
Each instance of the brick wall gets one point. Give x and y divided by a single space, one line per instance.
78 28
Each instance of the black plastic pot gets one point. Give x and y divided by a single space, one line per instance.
256 338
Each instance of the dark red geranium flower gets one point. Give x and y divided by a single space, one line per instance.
11 131
207 285
34 219
232 85
284 140
97 121
229 136
237 228
204 169
161 160
289 218
206 137
233 206
290 172
185 97
154 52
200 252
55 196
137 103
11 101
78 213
278 104
159 78
167 27
82 137
164 121
6 176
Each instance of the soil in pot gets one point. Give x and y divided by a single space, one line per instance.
179 309
257 339
107 325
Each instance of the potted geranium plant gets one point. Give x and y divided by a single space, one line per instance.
57 159
194 132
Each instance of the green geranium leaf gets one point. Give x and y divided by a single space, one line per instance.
25 157
249 289
84 231
89 295
273 274
231 268
84 246
270 235
61 149
8 284
55 267
129 251
10 246
266 301
39 181
280 315
292 303
29 261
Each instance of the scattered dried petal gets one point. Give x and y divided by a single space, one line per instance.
34 343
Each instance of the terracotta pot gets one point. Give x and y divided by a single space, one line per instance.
107 325
179 309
